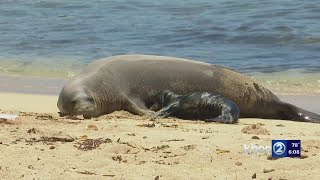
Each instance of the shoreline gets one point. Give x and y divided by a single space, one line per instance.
278 83
31 85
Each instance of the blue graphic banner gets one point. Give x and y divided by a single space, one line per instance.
286 148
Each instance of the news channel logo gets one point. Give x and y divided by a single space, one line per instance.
286 148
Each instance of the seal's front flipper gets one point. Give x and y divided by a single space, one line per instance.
132 108
62 114
167 111
225 118
230 113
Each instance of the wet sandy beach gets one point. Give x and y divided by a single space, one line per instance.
40 144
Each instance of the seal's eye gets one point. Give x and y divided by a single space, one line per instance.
89 99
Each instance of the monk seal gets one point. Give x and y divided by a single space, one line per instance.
199 105
126 82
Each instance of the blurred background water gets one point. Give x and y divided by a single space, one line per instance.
276 42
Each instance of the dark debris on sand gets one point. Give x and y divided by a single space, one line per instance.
50 140
90 144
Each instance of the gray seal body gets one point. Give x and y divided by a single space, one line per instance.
127 82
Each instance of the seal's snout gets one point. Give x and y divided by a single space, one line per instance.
83 106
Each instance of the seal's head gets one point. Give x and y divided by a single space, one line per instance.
76 101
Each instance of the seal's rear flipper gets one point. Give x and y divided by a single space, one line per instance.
291 112
307 116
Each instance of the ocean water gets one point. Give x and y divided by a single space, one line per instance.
276 42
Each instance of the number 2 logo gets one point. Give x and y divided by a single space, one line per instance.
279 148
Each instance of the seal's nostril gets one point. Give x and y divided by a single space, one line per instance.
73 102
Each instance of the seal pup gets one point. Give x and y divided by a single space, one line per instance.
204 106
125 82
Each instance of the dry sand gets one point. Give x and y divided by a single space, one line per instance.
122 146
28 102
